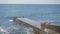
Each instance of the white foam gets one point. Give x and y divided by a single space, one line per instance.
10 20
3 30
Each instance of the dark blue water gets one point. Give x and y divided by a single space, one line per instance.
39 12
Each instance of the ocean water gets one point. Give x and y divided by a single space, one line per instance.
38 12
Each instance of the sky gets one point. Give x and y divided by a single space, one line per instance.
29 1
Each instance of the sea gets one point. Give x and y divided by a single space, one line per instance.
38 12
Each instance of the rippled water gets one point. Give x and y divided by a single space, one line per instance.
38 12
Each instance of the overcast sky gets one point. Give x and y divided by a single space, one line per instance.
29 1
